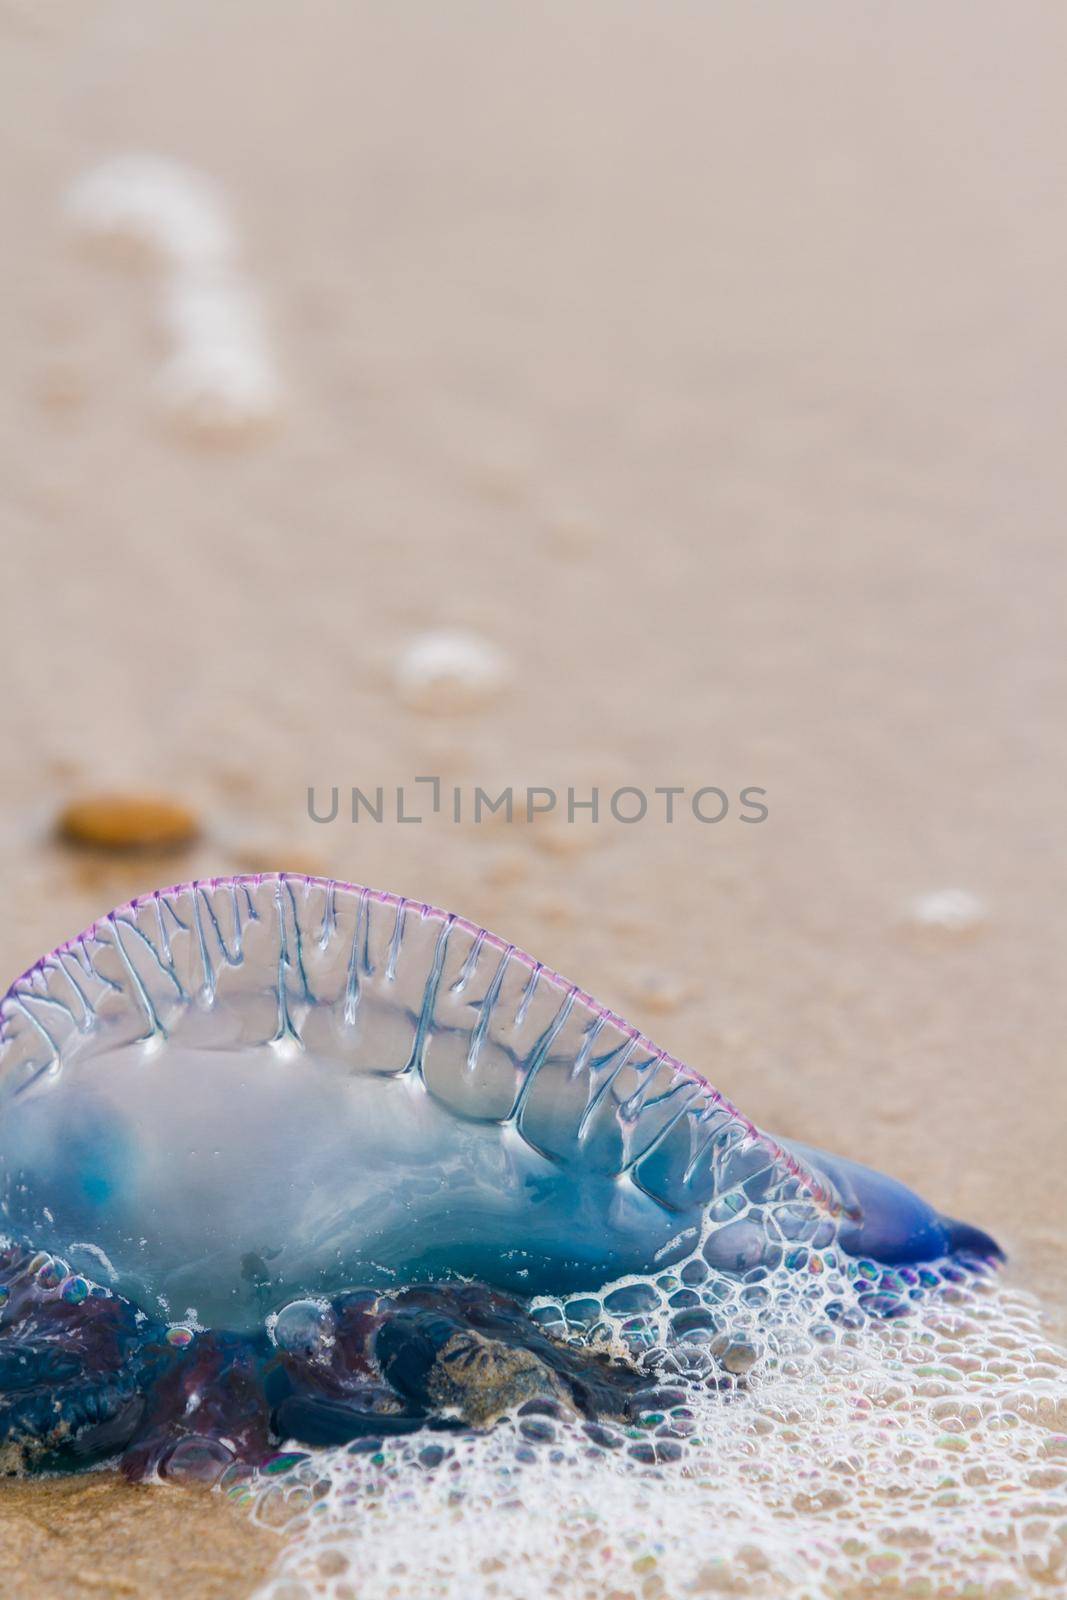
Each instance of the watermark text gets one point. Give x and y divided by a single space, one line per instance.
426 797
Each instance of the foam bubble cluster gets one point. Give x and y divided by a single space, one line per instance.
219 379
451 671
951 910
842 1432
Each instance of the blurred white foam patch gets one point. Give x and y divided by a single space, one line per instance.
955 910
451 671
220 379
149 206
922 1457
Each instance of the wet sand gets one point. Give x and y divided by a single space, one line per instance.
97 1536
711 366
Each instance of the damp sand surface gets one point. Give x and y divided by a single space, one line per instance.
706 367
96 1535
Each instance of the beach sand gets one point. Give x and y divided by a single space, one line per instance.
707 361
96 1535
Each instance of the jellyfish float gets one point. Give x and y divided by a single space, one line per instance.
322 1156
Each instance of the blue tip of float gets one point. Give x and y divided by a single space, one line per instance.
888 1222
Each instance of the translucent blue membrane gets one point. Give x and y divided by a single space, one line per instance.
230 1094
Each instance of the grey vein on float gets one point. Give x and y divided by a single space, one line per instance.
230 1093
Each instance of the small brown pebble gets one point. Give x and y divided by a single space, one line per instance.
127 822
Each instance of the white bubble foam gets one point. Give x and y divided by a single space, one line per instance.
955 910
451 671
145 204
219 379
914 1456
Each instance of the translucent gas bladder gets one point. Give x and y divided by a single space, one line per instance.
230 1094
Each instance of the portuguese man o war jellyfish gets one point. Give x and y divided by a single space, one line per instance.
341 1165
